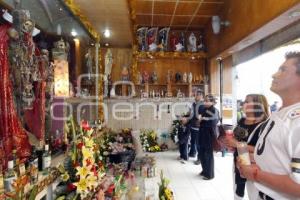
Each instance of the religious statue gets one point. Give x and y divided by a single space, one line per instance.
169 76
108 61
141 37
125 73
140 78
201 46
151 39
177 77
154 77
192 46
145 77
181 44
61 49
24 63
163 39
173 42
190 77
89 63
184 77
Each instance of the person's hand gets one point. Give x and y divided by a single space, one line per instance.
200 117
230 142
252 158
248 171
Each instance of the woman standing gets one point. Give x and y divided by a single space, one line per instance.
209 119
248 129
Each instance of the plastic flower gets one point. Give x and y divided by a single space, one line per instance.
85 125
82 186
83 171
65 177
168 194
92 181
89 142
87 153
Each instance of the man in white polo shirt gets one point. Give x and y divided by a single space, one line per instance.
276 173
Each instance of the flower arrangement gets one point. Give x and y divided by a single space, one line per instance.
117 147
149 141
164 192
176 125
83 170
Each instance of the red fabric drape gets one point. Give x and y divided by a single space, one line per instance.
12 134
35 118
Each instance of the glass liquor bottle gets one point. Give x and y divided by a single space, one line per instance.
9 177
46 160
1 183
33 166
15 157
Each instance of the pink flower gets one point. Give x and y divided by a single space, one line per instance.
85 125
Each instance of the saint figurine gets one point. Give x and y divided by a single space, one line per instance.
89 62
192 47
169 76
201 46
154 77
163 39
173 42
181 45
151 39
141 37
125 74
145 77
184 77
190 78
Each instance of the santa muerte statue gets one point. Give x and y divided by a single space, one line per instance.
22 82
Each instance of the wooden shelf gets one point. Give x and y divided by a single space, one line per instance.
172 84
176 55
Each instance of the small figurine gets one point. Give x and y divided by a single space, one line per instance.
112 92
177 77
181 42
192 47
201 46
184 77
190 78
154 77
163 38
145 77
125 74
141 35
169 76
173 42
151 39
140 78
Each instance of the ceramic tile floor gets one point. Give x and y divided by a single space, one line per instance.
188 185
